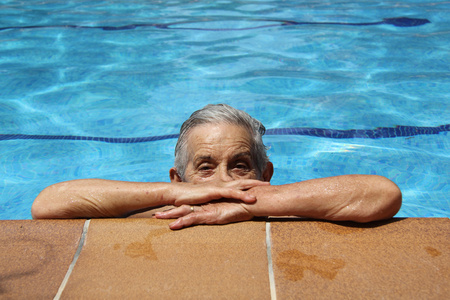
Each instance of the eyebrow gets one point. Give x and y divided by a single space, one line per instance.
238 155
201 158
210 158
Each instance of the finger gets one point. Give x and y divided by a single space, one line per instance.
178 224
216 193
236 190
216 213
238 195
189 220
246 184
174 212
211 193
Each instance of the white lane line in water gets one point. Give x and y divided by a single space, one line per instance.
273 292
74 261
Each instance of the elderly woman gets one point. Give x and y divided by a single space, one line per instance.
222 175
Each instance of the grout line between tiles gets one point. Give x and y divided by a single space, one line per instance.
74 261
273 292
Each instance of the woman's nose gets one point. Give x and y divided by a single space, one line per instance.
224 175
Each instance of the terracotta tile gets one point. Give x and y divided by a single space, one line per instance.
35 256
143 258
398 259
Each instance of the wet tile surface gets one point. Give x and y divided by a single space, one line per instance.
143 258
399 259
35 256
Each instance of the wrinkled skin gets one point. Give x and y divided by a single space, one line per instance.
220 154
221 185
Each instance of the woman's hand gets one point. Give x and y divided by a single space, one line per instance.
187 193
223 212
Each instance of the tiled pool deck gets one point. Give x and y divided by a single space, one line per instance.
282 259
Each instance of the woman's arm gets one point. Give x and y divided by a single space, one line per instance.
93 198
359 198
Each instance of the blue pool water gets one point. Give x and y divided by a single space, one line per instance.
99 89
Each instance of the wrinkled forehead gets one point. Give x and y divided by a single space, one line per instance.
216 136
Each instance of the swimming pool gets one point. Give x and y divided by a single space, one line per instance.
99 89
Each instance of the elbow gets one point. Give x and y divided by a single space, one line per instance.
46 206
41 208
393 199
65 201
37 211
388 204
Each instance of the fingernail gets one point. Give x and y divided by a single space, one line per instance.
158 214
251 197
173 225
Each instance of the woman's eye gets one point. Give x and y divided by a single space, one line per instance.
241 166
204 168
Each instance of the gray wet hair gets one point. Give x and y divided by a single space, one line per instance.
219 114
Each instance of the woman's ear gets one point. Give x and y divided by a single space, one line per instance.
268 172
174 177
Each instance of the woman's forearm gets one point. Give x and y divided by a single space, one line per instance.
91 198
359 198
95 198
